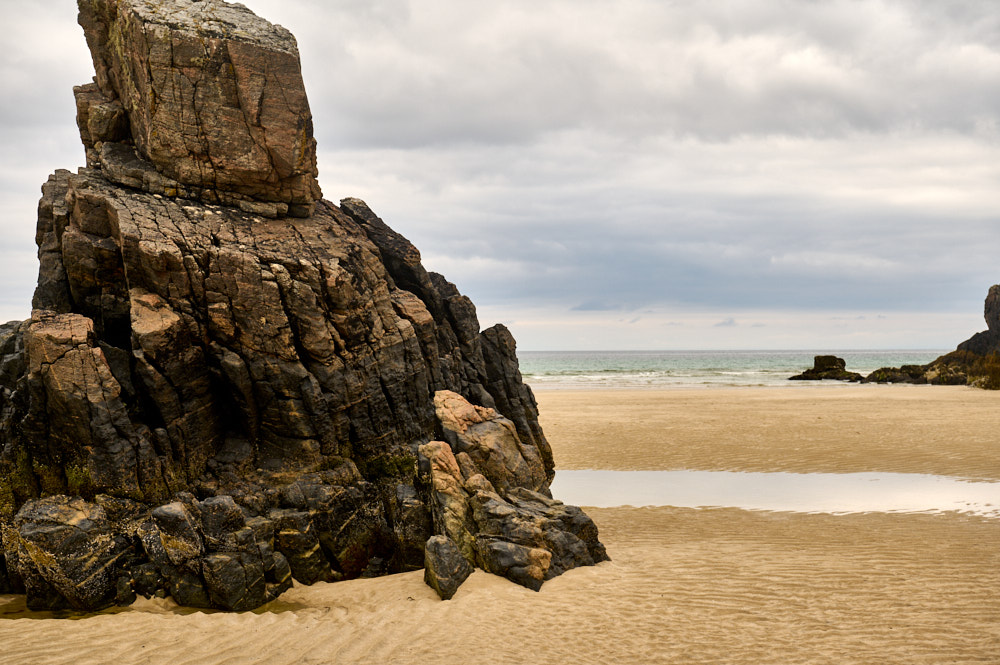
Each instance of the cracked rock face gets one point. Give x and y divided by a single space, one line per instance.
198 98
212 399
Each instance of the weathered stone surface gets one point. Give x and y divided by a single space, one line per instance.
234 580
827 367
211 97
445 568
66 545
490 441
511 529
533 521
528 566
991 310
449 499
248 397
179 535
6 586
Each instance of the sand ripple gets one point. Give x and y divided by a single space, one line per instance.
685 586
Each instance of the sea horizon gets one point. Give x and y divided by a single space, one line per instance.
681 368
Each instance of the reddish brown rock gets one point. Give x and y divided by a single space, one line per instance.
210 96
491 443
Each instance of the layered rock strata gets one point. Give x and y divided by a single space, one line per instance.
228 383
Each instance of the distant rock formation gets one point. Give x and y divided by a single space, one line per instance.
827 367
227 382
976 361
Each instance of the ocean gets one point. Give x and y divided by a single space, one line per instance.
695 369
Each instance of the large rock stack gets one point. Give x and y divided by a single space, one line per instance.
228 382
976 361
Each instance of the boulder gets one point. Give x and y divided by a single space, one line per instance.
508 529
445 568
527 566
234 580
66 552
491 442
179 534
827 367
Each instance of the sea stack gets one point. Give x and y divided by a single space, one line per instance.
228 382
976 361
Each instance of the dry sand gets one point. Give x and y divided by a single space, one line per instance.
685 586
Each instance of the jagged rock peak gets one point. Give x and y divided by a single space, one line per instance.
208 404
199 99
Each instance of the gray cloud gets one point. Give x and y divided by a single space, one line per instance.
589 157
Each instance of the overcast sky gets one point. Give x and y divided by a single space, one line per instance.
604 174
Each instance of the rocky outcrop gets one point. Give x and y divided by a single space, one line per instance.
827 367
229 398
976 361
509 529
198 98
986 343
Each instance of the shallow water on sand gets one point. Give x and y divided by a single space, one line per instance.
795 492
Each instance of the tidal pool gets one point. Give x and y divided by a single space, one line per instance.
796 492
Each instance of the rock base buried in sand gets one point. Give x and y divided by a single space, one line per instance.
445 569
66 552
226 382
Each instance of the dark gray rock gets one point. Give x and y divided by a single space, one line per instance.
976 361
445 569
234 580
188 589
5 583
298 541
66 550
179 534
239 397
827 367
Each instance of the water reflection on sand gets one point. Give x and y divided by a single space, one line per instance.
797 492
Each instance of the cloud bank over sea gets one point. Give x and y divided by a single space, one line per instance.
626 174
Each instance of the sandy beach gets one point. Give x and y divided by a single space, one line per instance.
684 586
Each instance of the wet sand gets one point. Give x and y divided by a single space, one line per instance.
945 430
685 585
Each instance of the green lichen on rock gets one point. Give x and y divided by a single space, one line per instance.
389 466
17 483
78 481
